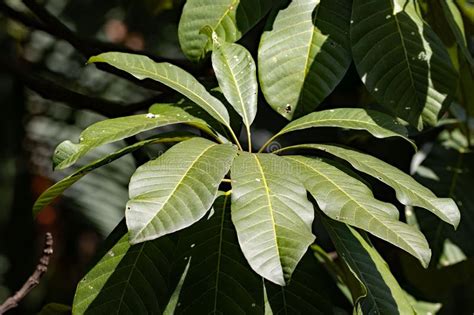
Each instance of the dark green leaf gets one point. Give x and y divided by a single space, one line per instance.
304 55
401 60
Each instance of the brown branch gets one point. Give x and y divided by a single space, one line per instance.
51 90
34 279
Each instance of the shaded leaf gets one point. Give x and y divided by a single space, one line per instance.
110 130
219 280
57 189
409 191
128 279
176 189
170 75
311 291
346 199
271 214
304 55
401 60
384 295
230 19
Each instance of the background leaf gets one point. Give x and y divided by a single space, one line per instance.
384 295
230 19
271 214
176 189
401 60
128 279
304 55
219 279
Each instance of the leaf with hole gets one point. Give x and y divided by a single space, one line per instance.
402 62
304 55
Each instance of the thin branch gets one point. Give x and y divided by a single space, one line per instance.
34 279
51 90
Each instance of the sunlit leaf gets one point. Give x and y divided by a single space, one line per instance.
271 214
346 199
57 189
230 19
176 189
176 78
409 191
110 130
376 123
304 55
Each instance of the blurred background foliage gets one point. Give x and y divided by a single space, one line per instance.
48 95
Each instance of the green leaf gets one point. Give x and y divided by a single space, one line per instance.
219 280
304 55
170 75
177 189
422 307
456 24
230 19
57 189
110 130
311 291
271 214
409 191
384 295
236 73
128 279
401 60
346 199
55 309
378 124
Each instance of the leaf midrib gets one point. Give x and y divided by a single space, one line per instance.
370 213
178 184
270 208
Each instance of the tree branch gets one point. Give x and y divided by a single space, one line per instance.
53 91
34 279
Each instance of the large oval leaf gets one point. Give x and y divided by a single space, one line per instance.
401 60
409 191
376 123
230 19
346 199
384 294
236 73
177 189
176 78
219 279
57 189
305 55
110 130
271 214
128 279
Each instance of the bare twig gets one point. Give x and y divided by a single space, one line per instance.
33 280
